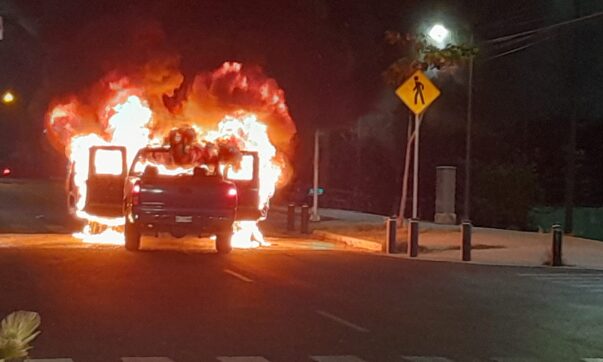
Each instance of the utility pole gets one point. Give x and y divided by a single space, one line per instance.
315 216
467 193
570 172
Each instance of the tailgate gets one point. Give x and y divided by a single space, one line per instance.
187 195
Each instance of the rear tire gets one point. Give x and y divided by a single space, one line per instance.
223 245
132 236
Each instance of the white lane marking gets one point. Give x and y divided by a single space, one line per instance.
50 360
237 275
426 359
592 359
342 321
146 359
348 358
514 359
559 274
569 278
242 359
585 285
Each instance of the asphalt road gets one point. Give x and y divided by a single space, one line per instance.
292 302
298 300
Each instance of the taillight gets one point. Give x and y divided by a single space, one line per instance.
136 193
232 192
6 171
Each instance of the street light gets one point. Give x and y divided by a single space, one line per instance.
438 33
8 97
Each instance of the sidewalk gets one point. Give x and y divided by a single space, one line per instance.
442 242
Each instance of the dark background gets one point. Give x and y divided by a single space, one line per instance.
329 56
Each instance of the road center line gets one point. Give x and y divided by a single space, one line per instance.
342 321
238 276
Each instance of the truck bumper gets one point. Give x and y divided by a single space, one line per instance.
153 222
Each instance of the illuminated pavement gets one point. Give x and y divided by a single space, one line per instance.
299 300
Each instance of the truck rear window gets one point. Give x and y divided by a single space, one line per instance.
152 162
108 162
243 173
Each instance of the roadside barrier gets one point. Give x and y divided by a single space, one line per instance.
466 229
557 245
291 217
305 218
413 238
389 246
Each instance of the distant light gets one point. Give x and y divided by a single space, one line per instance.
438 33
8 97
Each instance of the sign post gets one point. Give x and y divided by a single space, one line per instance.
417 92
315 216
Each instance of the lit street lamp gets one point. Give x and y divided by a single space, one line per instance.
438 33
8 97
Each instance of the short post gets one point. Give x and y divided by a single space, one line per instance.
466 229
305 217
413 238
291 217
557 245
390 236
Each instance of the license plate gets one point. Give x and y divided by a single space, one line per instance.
184 219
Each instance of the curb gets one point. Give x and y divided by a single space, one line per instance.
348 240
377 247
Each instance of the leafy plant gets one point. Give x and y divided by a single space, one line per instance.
414 52
17 331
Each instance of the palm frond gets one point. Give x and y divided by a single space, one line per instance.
17 330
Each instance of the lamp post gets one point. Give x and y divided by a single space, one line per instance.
438 33
315 216
467 193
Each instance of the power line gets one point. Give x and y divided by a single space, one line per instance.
531 34
515 50
544 29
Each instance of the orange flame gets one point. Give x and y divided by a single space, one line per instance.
225 104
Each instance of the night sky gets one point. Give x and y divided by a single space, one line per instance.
327 55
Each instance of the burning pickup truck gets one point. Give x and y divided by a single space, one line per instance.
167 191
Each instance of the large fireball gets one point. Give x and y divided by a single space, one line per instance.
234 102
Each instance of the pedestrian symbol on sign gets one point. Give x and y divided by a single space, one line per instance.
418 90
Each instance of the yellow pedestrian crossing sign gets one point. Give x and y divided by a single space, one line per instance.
418 92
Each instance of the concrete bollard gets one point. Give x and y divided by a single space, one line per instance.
413 238
291 217
305 218
466 229
557 245
389 245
